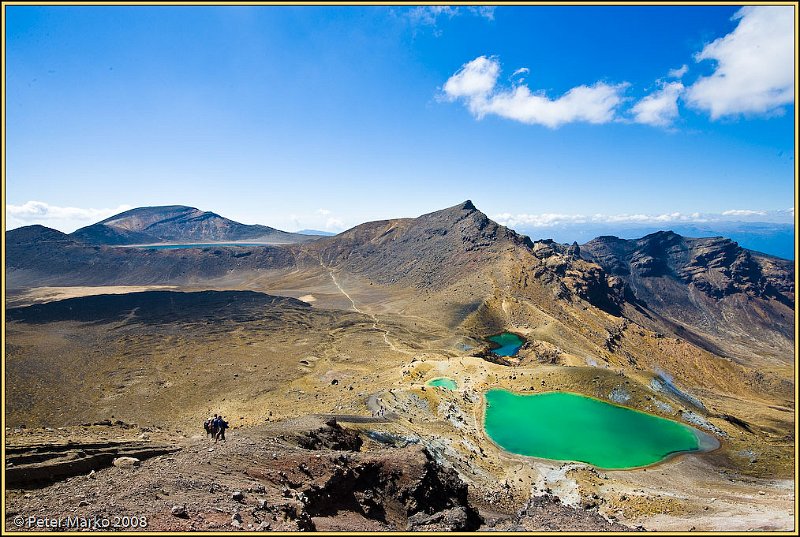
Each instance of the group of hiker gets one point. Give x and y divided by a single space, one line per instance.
215 427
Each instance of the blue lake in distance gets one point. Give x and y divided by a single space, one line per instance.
197 245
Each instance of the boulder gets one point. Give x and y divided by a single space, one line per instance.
126 462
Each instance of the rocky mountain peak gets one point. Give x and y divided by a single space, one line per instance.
468 206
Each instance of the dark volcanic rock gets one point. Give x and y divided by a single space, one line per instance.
331 436
155 307
36 257
404 488
716 266
35 235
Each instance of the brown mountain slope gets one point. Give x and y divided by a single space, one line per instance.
427 252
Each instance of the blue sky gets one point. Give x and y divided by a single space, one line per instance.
326 117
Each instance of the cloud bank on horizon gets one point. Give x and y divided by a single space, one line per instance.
65 219
753 75
68 219
523 220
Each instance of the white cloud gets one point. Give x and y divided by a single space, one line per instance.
487 12
755 65
551 220
521 71
476 83
66 219
430 15
334 224
742 212
475 80
660 108
679 72
322 219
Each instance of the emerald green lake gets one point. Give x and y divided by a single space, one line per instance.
443 382
571 427
507 344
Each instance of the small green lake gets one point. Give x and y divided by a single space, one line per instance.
506 344
443 382
570 427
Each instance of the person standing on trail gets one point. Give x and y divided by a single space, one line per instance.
208 425
222 425
214 426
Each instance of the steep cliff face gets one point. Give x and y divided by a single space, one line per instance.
710 291
715 266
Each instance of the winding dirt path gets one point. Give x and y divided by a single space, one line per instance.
375 323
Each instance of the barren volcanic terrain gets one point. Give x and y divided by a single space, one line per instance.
318 354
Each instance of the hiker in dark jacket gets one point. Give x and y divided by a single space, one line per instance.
209 425
221 426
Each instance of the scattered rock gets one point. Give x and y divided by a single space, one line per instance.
454 519
236 520
126 462
179 511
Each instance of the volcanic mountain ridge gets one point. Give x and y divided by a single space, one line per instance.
178 223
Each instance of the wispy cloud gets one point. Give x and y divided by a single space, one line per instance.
660 108
430 16
679 72
754 71
487 12
743 212
62 218
556 219
476 85
328 221
544 220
